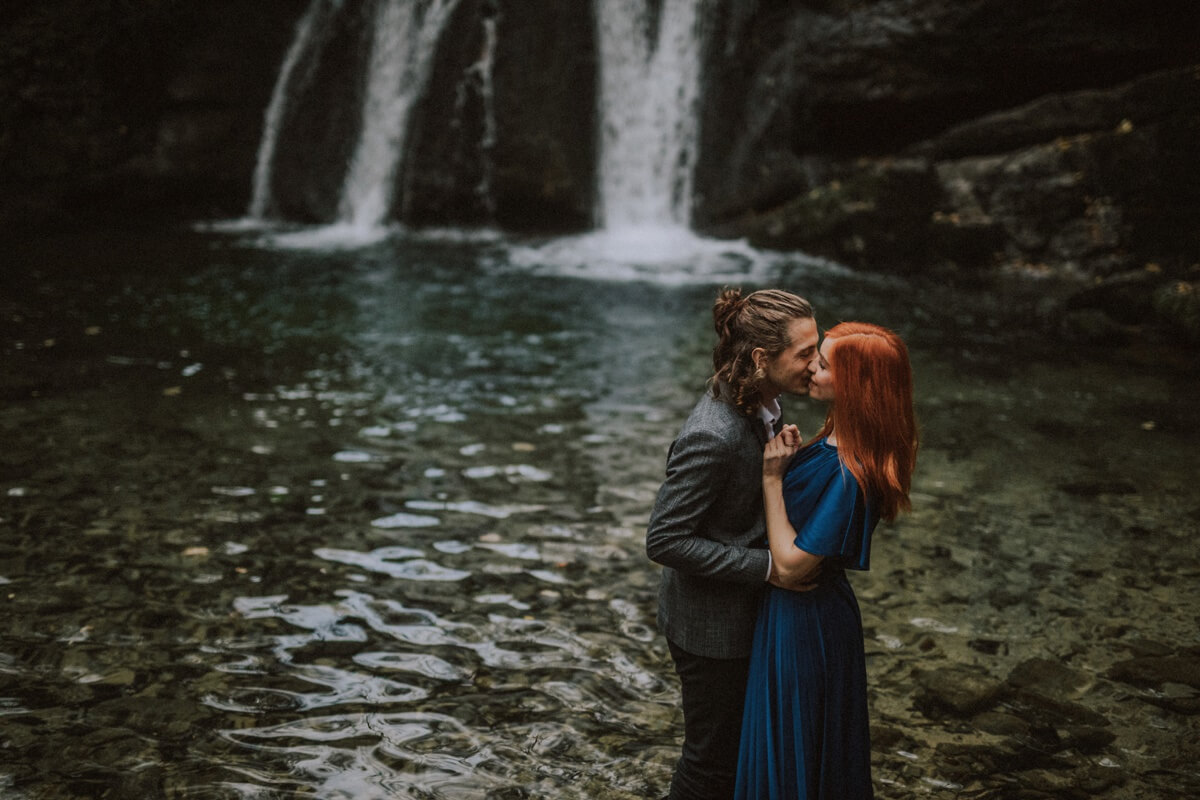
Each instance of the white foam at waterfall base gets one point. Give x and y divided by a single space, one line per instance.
660 254
665 255
338 236
272 234
238 225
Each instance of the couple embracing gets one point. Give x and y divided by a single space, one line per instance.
768 641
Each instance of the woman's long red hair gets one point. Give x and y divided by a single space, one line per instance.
872 412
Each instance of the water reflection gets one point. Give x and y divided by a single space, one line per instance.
368 524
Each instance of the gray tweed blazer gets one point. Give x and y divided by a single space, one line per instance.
707 531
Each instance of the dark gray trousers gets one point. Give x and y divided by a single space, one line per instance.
713 690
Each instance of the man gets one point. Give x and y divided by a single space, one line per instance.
707 526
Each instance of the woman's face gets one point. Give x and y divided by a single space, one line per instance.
820 385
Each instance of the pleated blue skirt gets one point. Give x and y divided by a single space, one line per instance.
805 732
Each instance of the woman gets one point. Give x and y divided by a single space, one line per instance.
805 733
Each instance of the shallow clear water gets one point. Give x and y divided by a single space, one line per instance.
367 522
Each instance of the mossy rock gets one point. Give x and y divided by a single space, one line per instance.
1178 305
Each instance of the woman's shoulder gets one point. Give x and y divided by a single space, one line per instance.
818 451
817 460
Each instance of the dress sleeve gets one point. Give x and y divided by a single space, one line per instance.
830 514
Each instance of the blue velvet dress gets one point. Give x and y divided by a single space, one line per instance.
805 733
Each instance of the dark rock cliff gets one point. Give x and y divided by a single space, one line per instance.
975 137
898 134
946 136
132 109
535 170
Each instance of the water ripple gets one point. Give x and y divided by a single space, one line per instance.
344 686
377 756
423 664
402 520
475 507
381 561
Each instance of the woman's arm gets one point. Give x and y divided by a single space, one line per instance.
789 563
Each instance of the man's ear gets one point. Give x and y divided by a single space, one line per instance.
759 356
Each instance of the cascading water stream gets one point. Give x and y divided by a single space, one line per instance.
648 95
648 98
405 36
298 66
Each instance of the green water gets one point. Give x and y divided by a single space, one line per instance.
368 523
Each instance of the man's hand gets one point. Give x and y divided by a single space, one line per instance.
794 583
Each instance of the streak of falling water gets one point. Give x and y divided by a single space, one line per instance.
405 37
649 89
298 67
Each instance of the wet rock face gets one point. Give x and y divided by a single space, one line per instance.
524 157
1056 134
870 213
893 135
971 139
150 111
319 129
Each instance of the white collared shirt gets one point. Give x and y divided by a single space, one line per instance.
770 413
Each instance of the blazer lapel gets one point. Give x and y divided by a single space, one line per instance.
755 422
760 429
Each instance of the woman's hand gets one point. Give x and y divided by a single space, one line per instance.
779 451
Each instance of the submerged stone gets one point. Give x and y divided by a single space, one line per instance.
1048 711
1178 304
959 691
1048 677
1093 326
1049 783
1098 487
1087 738
1001 724
967 761
1172 682
1158 670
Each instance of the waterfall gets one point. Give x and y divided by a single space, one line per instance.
405 36
483 72
290 74
648 97
649 91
